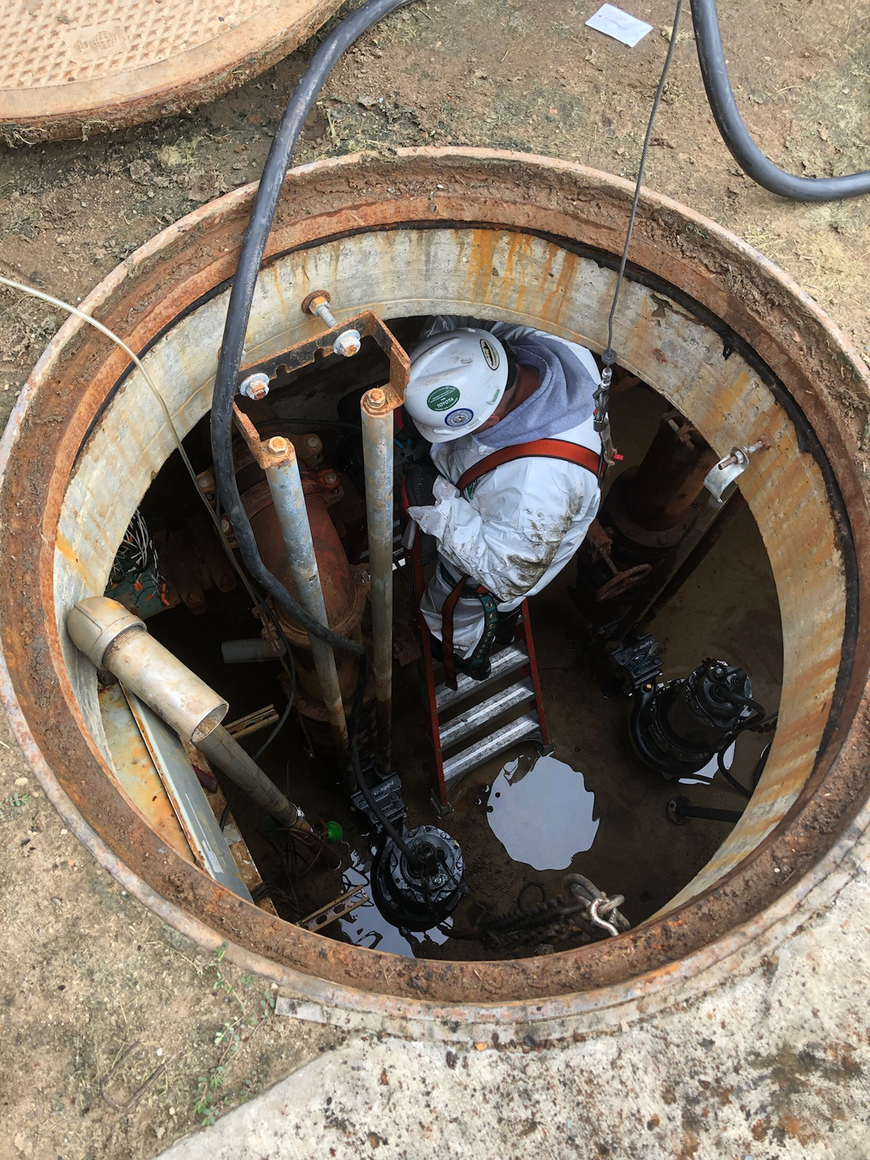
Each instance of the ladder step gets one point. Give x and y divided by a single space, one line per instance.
455 768
503 662
472 718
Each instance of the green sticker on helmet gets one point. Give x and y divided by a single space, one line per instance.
442 398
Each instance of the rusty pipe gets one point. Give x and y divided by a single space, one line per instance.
377 433
670 477
288 498
222 750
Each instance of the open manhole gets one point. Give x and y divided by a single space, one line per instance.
706 329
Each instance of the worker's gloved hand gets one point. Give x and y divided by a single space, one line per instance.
420 479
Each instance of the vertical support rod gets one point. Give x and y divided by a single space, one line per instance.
285 485
377 432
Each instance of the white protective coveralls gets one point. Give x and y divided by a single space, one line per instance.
521 524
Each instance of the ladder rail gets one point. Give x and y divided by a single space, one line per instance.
518 658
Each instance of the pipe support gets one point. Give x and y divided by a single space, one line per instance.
377 432
288 497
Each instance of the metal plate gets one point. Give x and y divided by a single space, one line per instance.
204 835
136 772
92 65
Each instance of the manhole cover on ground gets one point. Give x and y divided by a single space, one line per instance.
93 65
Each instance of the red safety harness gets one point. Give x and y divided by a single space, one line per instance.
537 448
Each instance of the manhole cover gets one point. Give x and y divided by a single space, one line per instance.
73 69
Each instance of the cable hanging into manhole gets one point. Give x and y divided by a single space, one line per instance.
608 357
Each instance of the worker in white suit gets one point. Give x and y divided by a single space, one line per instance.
511 480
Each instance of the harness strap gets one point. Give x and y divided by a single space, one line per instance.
537 448
447 610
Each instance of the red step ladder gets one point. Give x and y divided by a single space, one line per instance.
475 721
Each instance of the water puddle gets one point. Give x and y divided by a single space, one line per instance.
542 813
705 776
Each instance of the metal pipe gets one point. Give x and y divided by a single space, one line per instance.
711 536
285 485
226 753
377 432
117 640
680 808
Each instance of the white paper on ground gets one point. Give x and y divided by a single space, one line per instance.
618 24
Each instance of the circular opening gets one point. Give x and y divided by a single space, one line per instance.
524 820
704 321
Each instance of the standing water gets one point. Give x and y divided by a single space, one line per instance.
542 813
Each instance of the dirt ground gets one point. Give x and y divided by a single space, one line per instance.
88 972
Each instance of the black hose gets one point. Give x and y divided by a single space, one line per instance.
232 345
738 138
242 294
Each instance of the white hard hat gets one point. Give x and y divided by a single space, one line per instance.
458 378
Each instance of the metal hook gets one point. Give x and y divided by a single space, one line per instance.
596 919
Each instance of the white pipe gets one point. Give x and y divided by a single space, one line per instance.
119 641
239 652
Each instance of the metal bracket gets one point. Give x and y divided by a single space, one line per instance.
367 325
347 903
720 477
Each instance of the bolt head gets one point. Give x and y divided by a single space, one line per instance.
255 387
348 343
329 478
277 445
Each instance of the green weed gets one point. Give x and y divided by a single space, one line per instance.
231 1038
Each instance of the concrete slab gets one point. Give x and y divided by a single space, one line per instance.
770 1064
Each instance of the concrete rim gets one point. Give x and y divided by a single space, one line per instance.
316 990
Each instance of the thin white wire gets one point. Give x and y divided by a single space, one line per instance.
153 388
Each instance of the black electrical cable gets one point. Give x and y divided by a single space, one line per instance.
754 724
720 762
737 137
728 694
232 345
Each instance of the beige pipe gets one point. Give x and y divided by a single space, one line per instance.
117 640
